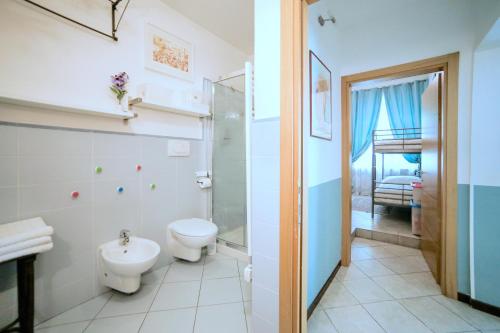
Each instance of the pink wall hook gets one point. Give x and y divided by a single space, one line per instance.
75 195
138 167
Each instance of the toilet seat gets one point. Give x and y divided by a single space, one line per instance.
186 238
193 228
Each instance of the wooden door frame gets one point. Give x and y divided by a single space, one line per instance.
292 308
449 65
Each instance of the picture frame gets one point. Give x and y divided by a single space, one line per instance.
320 94
168 54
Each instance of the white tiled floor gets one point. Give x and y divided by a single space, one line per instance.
388 288
206 297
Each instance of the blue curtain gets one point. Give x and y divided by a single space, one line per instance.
364 113
404 107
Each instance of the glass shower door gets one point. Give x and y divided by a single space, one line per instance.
229 160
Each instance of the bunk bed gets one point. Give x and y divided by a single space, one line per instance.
394 191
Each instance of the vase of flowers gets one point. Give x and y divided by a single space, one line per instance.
119 88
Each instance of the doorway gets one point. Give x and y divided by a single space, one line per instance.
439 244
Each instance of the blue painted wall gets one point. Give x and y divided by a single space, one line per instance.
487 243
324 234
463 242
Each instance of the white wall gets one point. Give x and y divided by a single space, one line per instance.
322 159
486 112
267 59
266 168
44 57
265 224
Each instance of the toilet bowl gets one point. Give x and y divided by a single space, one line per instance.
186 238
121 266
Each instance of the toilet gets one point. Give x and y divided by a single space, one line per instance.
186 238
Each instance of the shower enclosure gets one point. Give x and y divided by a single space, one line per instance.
231 108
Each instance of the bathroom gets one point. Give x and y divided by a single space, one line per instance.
165 170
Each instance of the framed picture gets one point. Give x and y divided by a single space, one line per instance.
320 90
168 54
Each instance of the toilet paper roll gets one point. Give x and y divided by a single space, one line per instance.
204 182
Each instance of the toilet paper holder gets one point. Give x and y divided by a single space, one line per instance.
203 179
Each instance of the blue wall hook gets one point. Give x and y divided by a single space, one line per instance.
120 189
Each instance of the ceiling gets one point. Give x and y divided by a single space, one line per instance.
492 38
231 20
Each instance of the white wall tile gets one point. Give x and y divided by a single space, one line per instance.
42 141
265 236
51 164
190 194
265 304
267 171
8 171
42 198
8 134
105 144
267 273
8 204
51 301
116 167
260 325
265 205
36 170
261 145
265 222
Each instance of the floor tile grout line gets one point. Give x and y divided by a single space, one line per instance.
97 313
458 314
398 300
152 302
414 315
375 320
199 293
330 320
74 307
394 299
241 293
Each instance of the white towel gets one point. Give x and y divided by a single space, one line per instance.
25 244
20 231
25 252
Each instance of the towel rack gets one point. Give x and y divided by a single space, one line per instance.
114 24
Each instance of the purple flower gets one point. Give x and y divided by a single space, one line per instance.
118 84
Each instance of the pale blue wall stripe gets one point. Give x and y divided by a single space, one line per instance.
487 243
324 234
463 271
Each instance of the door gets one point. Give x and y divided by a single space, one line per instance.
229 157
431 171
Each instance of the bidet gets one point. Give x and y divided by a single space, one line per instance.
122 263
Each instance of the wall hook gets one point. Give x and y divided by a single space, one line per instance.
322 20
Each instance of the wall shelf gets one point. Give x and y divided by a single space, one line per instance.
193 110
66 107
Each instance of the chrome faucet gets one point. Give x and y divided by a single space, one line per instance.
124 237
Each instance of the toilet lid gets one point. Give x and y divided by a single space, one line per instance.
193 227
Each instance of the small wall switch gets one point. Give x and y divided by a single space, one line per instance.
179 148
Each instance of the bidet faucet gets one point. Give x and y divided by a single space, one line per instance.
124 237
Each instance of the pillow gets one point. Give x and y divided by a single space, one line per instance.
404 180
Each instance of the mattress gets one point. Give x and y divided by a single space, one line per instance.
395 190
398 145
401 180
392 201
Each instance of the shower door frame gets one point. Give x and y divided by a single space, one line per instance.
246 72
